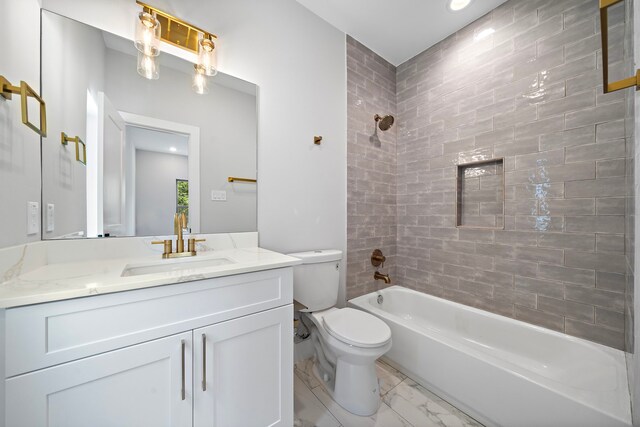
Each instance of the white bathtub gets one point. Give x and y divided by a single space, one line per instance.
499 370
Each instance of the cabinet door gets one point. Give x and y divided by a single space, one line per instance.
148 384
243 373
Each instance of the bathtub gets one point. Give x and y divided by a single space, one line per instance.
502 371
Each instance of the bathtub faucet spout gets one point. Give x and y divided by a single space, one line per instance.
379 276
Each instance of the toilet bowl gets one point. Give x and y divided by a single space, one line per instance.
347 343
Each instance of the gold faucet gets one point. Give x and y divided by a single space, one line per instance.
179 223
379 276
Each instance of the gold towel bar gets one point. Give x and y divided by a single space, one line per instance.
25 91
236 179
604 29
64 140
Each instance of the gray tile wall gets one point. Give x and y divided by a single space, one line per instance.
523 83
371 167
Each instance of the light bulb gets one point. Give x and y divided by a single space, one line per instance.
147 38
457 5
207 56
148 67
200 84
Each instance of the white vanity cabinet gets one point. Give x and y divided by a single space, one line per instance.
215 352
135 386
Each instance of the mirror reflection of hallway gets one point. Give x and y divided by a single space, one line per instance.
161 160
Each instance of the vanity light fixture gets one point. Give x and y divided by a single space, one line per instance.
148 66
200 84
147 38
457 5
153 25
207 56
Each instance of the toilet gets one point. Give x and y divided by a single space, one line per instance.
347 342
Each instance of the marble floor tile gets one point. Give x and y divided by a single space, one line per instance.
308 410
422 408
388 376
385 417
304 370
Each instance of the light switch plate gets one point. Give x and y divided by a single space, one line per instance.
51 217
219 196
33 217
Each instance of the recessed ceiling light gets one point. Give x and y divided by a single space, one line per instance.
174 149
457 5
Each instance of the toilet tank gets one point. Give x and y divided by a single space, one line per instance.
316 281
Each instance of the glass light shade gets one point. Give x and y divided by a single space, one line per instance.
200 84
147 38
148 66
207 56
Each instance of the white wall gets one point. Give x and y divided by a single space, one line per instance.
156 175
298 62
65 44
19 145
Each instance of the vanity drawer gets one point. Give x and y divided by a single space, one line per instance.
48 334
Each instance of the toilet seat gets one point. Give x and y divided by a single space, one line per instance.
357 328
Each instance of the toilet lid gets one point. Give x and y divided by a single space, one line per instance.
357 328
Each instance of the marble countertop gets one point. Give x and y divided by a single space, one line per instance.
60 281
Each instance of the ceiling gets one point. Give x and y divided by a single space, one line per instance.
158 141
398 30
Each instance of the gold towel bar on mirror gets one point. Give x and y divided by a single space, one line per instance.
604 29
25 91
64 140
236 179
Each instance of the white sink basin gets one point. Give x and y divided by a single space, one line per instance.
167 266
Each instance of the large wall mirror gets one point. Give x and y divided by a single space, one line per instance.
125 153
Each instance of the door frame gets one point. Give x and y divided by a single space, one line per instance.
193 133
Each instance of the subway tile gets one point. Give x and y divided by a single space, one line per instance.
540 287
515 267
545 158
570 309
610 281
610 168
610 243
581 242
607 336
610 206
568 138
595 115
598 224
582 277
608 318
570 103
563 207
562 38
610 130
601 151
541 63
612 263
514 238
540 31
596 297
541 223
548 320
540 127
603 187
511 296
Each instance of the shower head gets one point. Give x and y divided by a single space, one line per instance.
384 122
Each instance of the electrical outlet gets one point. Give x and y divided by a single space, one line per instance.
51 217
219 196
33 217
